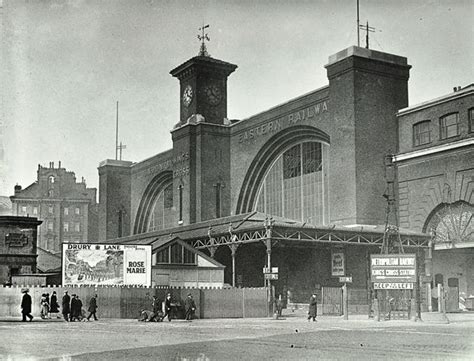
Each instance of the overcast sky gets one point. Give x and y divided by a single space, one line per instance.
65 64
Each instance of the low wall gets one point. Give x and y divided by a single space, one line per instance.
127 302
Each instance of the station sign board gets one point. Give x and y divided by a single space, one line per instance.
392 268
271 276
270 270
345 279
393 286
106 264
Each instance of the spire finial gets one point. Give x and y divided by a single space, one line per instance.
203 37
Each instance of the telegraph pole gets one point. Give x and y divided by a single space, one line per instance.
116 134
358 25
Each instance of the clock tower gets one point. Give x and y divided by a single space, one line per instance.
203 87
201 139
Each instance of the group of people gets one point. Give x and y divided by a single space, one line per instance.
71 307
158 315
49 305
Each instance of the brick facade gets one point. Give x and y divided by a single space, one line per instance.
354 115
67 208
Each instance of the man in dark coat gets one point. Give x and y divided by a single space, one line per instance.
313 308
76 306
189 307
92 308
168 307
66 305
26 305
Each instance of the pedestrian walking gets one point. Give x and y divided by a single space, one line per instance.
49 305
66 305
168 307
44 306
73 308
54 306
190 307
26 305
76 308
313 308
279 305
92 308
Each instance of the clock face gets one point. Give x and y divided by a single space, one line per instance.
187 95
213 94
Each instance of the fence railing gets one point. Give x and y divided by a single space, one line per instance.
129 301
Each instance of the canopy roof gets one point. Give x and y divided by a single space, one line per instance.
256 226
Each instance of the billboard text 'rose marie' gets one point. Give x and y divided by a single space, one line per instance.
106 264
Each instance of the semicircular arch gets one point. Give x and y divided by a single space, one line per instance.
270 151
149 198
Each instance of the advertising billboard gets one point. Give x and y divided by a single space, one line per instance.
106 264
338 267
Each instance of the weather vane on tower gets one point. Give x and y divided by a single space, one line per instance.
203 37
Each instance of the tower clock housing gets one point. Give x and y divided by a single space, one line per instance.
203 88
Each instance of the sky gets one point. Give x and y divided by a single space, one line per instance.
65 64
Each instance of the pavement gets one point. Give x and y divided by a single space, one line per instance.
289 338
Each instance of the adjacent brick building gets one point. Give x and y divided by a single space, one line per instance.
436 184
67 208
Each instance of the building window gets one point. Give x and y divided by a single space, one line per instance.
422 133
162 215
77 227
452 223
189 256
35 210
23 209
163 256
120 223
295 186
50 225
176 253
66 211
449 126
66 226
50 193
78 210
51 179
218 199
50 210
180 190
471 119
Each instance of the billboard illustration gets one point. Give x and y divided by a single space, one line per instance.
106 264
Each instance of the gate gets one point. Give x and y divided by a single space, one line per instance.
331 301
452 296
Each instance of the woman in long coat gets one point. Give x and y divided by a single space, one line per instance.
54 306
313 308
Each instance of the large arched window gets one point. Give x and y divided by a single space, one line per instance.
294 187
162 214
452 223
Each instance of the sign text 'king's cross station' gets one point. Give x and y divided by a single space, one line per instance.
393 271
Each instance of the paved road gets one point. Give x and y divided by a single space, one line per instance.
230 339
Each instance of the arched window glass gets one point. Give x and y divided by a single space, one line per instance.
294 187
452 224
162 214
51 179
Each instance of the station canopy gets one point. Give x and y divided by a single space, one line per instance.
256 227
